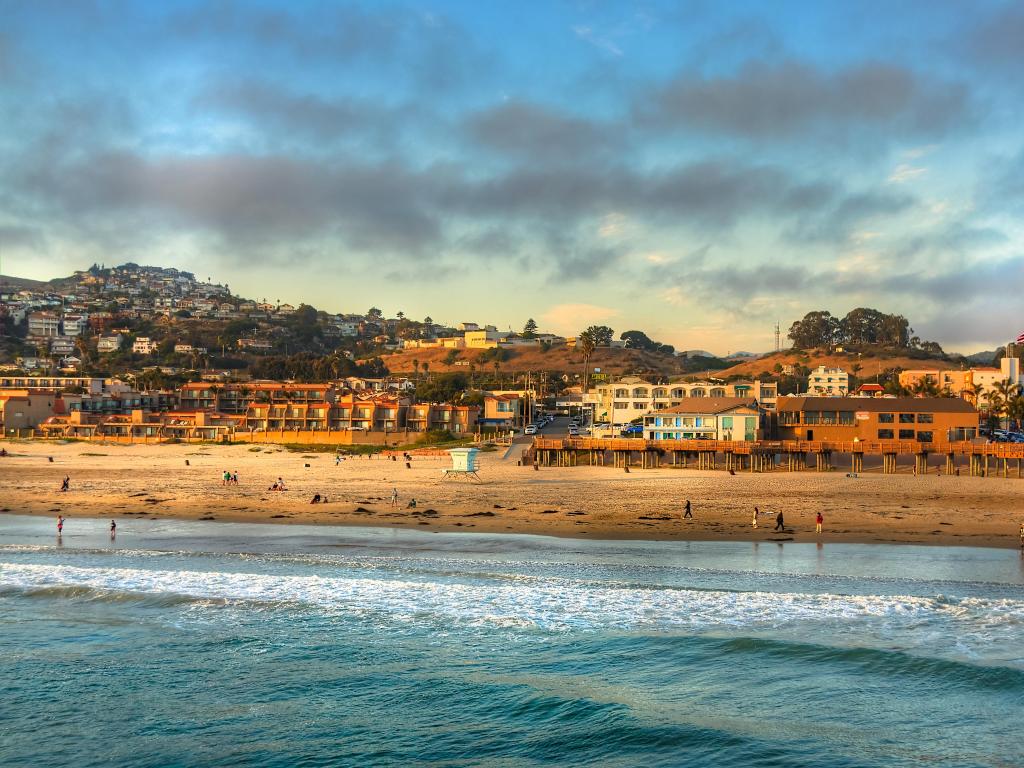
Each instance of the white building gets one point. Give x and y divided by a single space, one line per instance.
630 397
705 418
828 382
75 325
62 345
107 344
43 325
144 346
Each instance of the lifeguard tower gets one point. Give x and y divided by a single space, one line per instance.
463 464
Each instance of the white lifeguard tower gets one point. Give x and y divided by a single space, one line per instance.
463 464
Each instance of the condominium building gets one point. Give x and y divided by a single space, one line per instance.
973 384
144 345
828 382
630 397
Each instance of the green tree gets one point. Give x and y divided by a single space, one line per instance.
530 329
816 329
601 335
586 344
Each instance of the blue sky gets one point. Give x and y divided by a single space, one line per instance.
696 170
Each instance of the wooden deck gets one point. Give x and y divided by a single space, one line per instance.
870 447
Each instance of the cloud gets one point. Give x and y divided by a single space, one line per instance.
783 99
287 113
601 42
570 319
535 131
904 172
996 40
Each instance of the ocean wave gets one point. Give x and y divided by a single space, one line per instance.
556 605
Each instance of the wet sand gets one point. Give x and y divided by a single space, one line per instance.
116 481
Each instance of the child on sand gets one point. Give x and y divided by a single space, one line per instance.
817 523
756 513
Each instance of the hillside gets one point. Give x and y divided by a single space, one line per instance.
613 361
22 283
869 365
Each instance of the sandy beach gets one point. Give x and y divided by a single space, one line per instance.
185 481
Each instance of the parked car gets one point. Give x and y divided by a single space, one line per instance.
531 429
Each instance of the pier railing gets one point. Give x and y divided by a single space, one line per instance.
871 447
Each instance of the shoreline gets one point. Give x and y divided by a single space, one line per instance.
596 503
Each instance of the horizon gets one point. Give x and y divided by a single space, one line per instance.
695 172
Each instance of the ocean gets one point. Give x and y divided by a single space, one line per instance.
200 643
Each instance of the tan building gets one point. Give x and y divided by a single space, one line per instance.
973 384
24 408
916 419
828 382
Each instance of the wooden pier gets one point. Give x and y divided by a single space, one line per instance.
975 459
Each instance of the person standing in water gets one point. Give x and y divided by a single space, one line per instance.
113 529
60 524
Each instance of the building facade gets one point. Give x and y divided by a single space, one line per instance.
706 418
828 382
630 397
916 419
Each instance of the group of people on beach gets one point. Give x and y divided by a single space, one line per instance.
780 519
278 485
229 478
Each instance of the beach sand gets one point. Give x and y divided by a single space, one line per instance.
154 481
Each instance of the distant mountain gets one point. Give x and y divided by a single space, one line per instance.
743 356
982 358
694 353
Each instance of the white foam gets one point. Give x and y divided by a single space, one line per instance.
545 604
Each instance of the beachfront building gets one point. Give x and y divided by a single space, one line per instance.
57 383
918 419
630 397
503 410
458 419
706 418
236 398
24 409
828 382
972 384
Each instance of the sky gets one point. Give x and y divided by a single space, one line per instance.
696 170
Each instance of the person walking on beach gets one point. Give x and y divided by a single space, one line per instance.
689 511
817 523
234 477
394 497
780 523
756 513
64 486
1022 535
60 525
225 478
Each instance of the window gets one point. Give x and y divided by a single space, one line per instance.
846 418
751 428
906 434
924 437
906 418
885 434
727 422
924 418
885 418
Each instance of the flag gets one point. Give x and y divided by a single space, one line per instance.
1020 339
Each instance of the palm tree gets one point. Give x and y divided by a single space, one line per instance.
1015 408
1000 398
415 368
587 345
426 370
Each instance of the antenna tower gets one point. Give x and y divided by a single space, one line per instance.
777 347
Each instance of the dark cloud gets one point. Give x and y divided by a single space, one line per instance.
21 237
998 40
836 222
282 112
783 99
531 130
